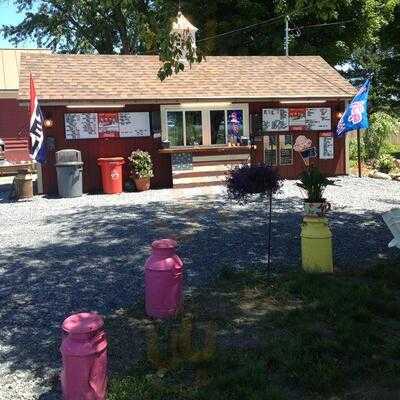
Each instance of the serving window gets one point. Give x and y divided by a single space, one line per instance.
205 125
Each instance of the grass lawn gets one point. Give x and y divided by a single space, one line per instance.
298 337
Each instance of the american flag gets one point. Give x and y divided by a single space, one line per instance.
38 151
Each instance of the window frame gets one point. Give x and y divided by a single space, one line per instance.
205 120
278 148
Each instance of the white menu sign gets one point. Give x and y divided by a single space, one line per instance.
326 146
275 119
81 126
134 124
318 119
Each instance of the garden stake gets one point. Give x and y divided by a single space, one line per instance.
269 237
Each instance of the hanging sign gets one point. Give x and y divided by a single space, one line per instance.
297 119
304 147
318 119
134 124
81 126
326 146
108 125
275 119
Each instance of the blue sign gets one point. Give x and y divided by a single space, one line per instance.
356 115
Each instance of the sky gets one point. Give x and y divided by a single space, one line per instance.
9 15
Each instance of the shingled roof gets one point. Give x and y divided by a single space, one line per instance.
69 78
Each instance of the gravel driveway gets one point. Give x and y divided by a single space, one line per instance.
63 255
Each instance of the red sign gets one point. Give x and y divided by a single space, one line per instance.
108 125
297 119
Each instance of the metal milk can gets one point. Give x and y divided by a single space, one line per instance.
163 280
84 356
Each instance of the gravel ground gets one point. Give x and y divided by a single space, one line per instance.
64 255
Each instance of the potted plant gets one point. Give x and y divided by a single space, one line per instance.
315 183
141 169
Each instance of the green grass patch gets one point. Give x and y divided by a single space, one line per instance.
299 336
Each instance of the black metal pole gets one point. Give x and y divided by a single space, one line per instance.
269 237
359 152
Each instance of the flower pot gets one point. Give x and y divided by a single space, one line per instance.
142 184
318 209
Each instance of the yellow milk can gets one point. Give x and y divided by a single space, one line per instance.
316 245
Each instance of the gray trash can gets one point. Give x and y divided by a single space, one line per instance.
69 173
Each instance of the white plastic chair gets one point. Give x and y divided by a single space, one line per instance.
392 220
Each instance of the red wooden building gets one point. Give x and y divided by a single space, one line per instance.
110 105
13 117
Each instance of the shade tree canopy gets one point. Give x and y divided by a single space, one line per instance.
361 35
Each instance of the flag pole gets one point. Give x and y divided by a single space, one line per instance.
359 152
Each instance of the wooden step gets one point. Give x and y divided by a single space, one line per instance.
199 184
193 174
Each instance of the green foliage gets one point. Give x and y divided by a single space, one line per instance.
142 27
353 149
141 164
314 183
385 163
382 125
175 52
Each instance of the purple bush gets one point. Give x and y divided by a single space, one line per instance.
248 180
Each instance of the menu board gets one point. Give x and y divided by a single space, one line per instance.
275 119
318 119
81 126
106 125
326 146
297 119
134 124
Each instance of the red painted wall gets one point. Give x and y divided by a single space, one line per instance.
336 166
14 123
92 149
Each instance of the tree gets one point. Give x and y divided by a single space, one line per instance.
142 27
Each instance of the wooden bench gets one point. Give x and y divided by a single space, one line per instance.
8 170
392 220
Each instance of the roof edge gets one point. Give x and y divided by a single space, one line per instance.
250 99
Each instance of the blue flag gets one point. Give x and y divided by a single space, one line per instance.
356 115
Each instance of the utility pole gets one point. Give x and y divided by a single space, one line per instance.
286 35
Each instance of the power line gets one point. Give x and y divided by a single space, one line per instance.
242 29
271 20
299 28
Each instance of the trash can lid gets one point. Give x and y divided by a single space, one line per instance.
85 322
110 159
164 244
69 163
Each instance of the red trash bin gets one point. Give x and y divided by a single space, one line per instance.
111 174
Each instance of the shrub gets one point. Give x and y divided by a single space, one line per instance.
141 165
385 163
382 125
353 150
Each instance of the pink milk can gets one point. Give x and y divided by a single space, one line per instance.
84 355
163 280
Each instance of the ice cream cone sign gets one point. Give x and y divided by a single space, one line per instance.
304 146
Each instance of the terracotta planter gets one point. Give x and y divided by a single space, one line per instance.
142 184
316 209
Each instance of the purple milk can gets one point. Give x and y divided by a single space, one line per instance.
84 356
163 280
